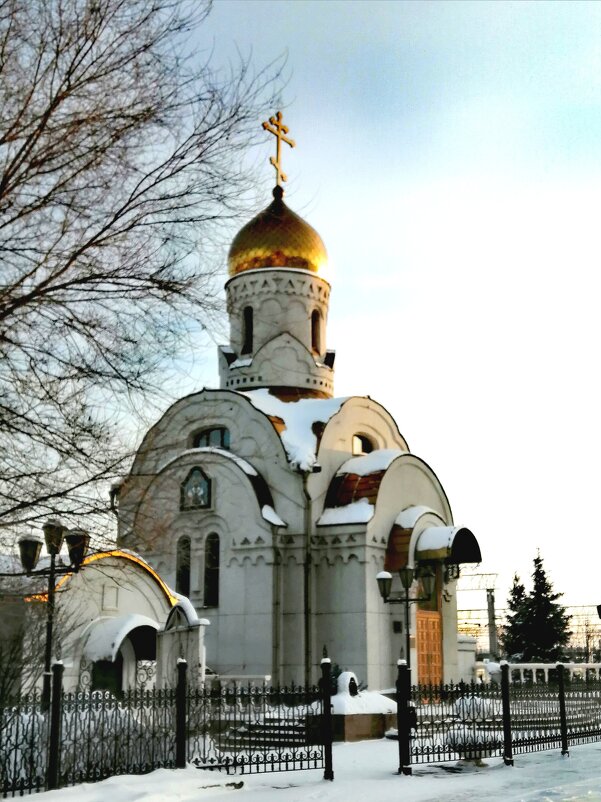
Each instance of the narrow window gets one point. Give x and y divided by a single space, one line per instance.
316 331
182 566
247 330
195 491
218 436
211 584
362 445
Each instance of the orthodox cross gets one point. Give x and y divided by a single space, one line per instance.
276 127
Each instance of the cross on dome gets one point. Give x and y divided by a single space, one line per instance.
276 127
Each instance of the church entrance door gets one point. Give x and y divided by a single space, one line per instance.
429 647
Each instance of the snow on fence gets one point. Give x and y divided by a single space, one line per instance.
473 721
88 736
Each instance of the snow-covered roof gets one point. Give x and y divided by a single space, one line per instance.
299 418
357 512
378 460
455 544
243 362
187 608
410 516
271 516
106 635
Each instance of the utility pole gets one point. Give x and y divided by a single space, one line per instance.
492 624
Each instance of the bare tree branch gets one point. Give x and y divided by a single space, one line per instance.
122 163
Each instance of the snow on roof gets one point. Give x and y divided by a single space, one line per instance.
409 517
298 438
436 537
241 463
106 635
187 607
271 516
244 362
378 460
455 543
357 512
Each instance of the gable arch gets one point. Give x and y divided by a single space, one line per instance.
172 434
158 514
409 481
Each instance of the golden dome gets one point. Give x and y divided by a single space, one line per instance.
277 237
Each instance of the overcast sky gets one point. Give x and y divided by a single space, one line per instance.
449 155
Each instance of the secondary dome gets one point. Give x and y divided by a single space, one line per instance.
277 237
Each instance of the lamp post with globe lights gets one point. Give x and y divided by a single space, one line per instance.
30 547
425 575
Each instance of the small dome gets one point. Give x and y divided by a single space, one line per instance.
277 237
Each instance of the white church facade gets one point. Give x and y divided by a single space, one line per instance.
273 504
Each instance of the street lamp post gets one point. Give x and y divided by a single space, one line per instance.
428 580
407 575
30 547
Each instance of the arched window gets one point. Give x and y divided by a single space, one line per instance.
211 583
182 566
316 331
219 437
195 491
362 445
247 330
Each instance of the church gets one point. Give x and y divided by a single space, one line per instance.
273 504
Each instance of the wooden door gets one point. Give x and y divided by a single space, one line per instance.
429 647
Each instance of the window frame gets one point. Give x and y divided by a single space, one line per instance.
364 440
247 330
184 542
224 438
210 595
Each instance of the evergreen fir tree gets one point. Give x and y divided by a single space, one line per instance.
537 627
547 624
513 637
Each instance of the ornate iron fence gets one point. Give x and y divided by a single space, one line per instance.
456 721
255 729
102 735
475 721
90 735
24 733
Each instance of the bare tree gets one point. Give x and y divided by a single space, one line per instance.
120 161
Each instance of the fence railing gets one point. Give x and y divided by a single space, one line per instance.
478 720
88 736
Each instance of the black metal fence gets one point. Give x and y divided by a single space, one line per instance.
475 721
88 736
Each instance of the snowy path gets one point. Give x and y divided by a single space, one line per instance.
365 772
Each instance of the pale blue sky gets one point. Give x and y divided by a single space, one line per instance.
449 155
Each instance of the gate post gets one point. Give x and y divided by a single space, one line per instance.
326 728
562 710
180 715
55 726
403 719
505 701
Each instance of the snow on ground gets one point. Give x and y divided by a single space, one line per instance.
366 770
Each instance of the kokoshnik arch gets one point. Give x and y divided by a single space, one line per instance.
273 504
